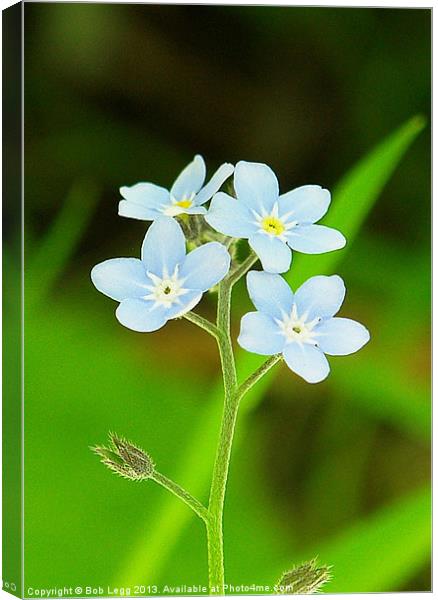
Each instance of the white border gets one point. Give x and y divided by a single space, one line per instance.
322 3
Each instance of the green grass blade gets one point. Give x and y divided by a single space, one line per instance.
46 262
382 552
355 195
378 166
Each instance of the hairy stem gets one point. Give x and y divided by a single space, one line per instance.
223 452
203 323
241 269
258 374
232 396
224 341
182 494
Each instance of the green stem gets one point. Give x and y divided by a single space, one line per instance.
203 323
182 494
224 339
223 453
258 374
232 397
241 269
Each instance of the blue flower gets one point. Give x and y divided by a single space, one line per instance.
147 201
166 283
301 326
272 223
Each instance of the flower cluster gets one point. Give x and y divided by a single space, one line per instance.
166 283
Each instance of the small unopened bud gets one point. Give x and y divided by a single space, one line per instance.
125 459
307 578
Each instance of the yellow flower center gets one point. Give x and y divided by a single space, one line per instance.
184 203
273 225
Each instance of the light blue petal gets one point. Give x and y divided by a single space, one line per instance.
141 315
196 210
147 195
315 239
136 211
164 246
270 293
185 303
274 254
307 203
230 217
120 278
205 266
190 180
340 336
306 361
256 186
259 334
320 296
214 184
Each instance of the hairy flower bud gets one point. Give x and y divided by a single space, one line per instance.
125 458
306 578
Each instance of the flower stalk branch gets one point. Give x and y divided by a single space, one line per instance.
182 494
258 374
203 323
242 268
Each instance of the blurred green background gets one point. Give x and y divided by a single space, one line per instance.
116 94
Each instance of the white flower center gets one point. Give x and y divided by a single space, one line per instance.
272 224
166 290
178 207
298 328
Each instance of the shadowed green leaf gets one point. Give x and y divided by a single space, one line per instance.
389 398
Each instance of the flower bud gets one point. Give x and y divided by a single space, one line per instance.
126 459
307 578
